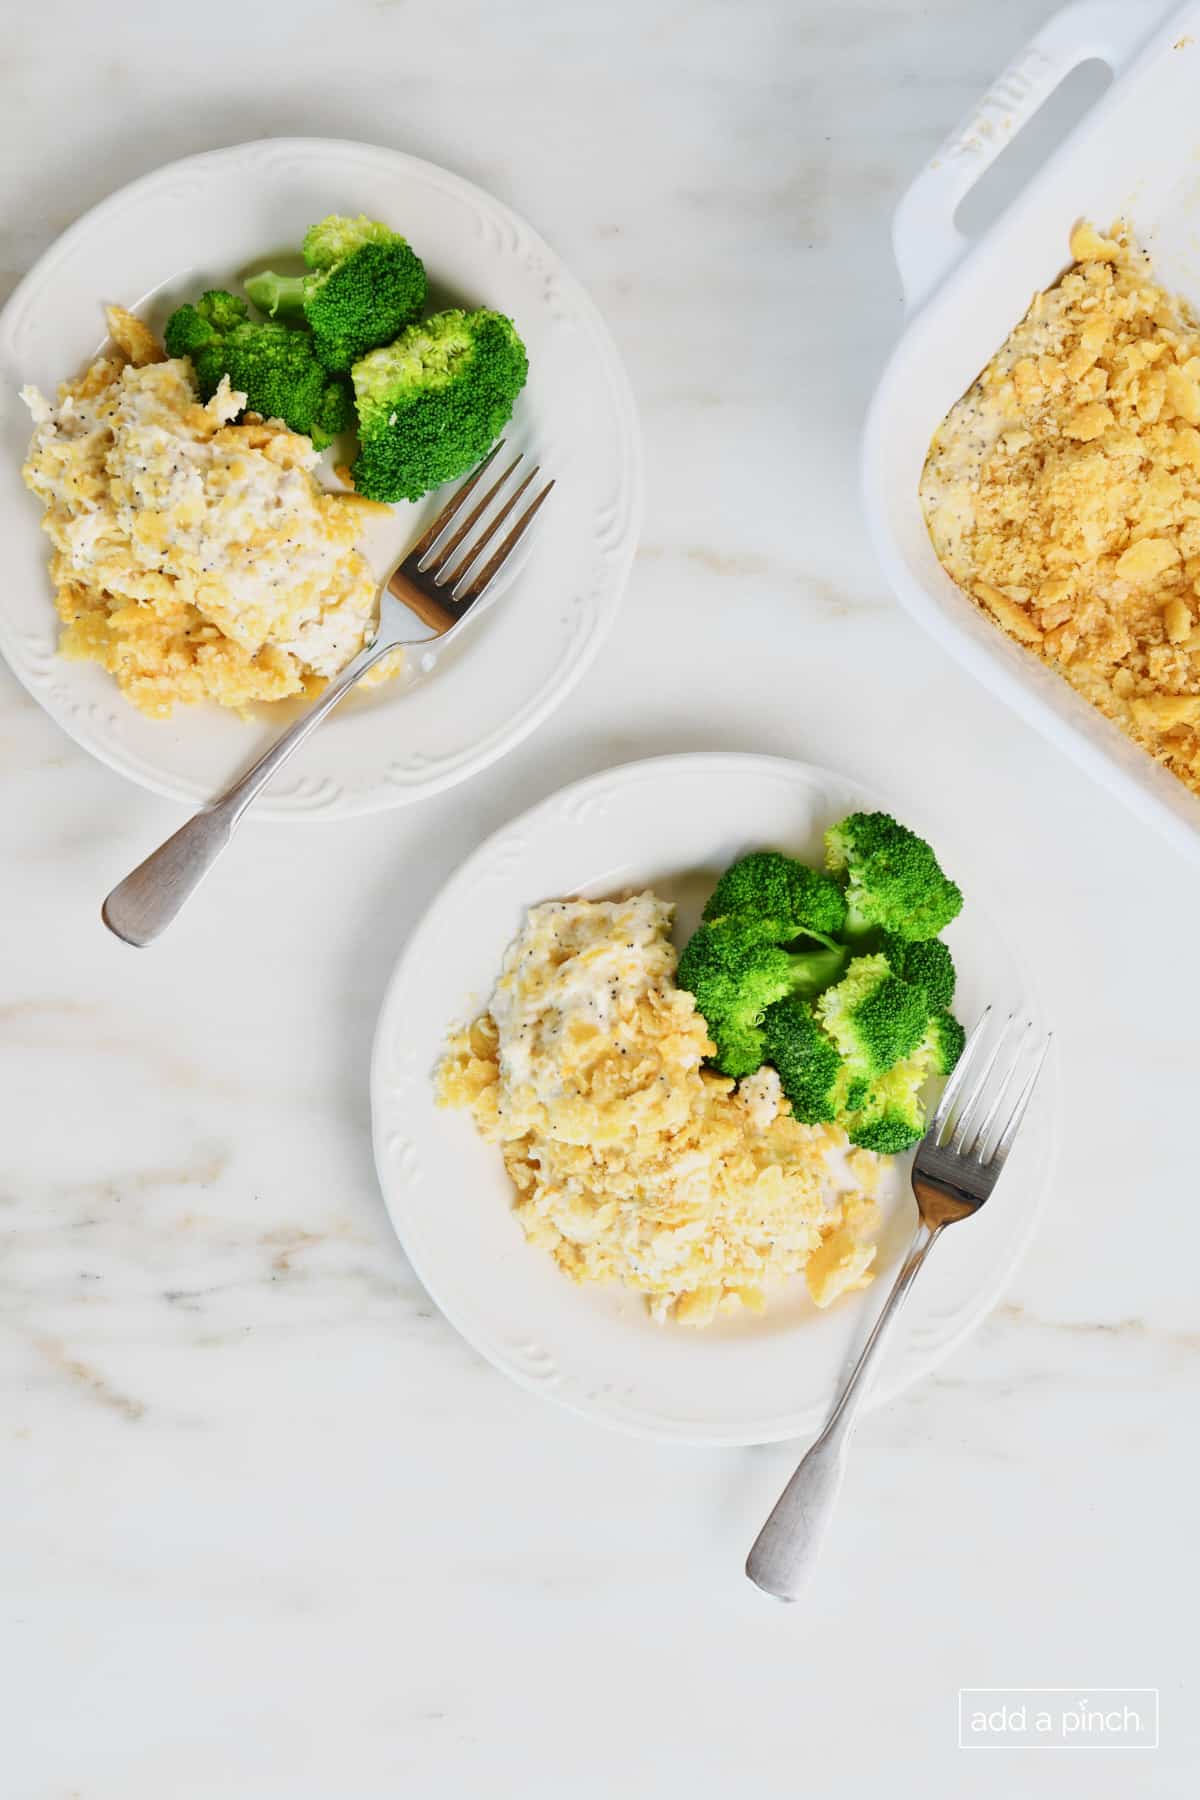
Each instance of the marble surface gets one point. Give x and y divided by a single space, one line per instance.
270 1529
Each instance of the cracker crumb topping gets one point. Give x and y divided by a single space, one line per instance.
1062 493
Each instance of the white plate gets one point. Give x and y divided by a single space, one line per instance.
202 222
672 824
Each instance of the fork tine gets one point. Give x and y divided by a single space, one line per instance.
424 544
952 1088
442 553
1004 1142
963 1130
470 556
499 557
979 1138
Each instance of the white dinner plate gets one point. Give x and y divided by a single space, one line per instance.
672 824
204 222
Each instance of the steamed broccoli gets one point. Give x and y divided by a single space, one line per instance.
215 311
275 368
840 984
893 880
735 971
432 403
891 1118
778 888
811 1072
927 964
943 1042
886 1113
364 285
873 1017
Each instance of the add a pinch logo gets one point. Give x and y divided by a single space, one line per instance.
1058 1718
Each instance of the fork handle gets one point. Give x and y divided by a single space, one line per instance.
143 905
786 1550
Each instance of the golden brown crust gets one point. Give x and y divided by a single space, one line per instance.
174 616
1063 494
133 339
630 1161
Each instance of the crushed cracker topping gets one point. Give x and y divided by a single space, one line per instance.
1062 492
632 1162
193 559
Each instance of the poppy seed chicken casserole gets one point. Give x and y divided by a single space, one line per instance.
632 1161
194 559
1062 492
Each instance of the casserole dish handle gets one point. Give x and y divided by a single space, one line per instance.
925 239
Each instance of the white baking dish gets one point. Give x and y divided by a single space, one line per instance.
1135 154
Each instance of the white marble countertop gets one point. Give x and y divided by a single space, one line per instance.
270 1528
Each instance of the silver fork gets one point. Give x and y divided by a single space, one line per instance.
958 1163
431 583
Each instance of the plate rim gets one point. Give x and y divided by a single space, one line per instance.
776 1428
382 795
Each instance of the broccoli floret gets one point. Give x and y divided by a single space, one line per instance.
274 367
191 328
943 1043
893 880
735 973
873 1017
776 887
337 237
811 1073
927 964
891 1118
431 404
364 285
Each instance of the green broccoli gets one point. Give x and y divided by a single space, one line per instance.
811 1072
194 326
853 1041
431 404
275 368
893 880
891 1118
886 1114
943 1042
735 972
799 900
927 964
364 285
873 1017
